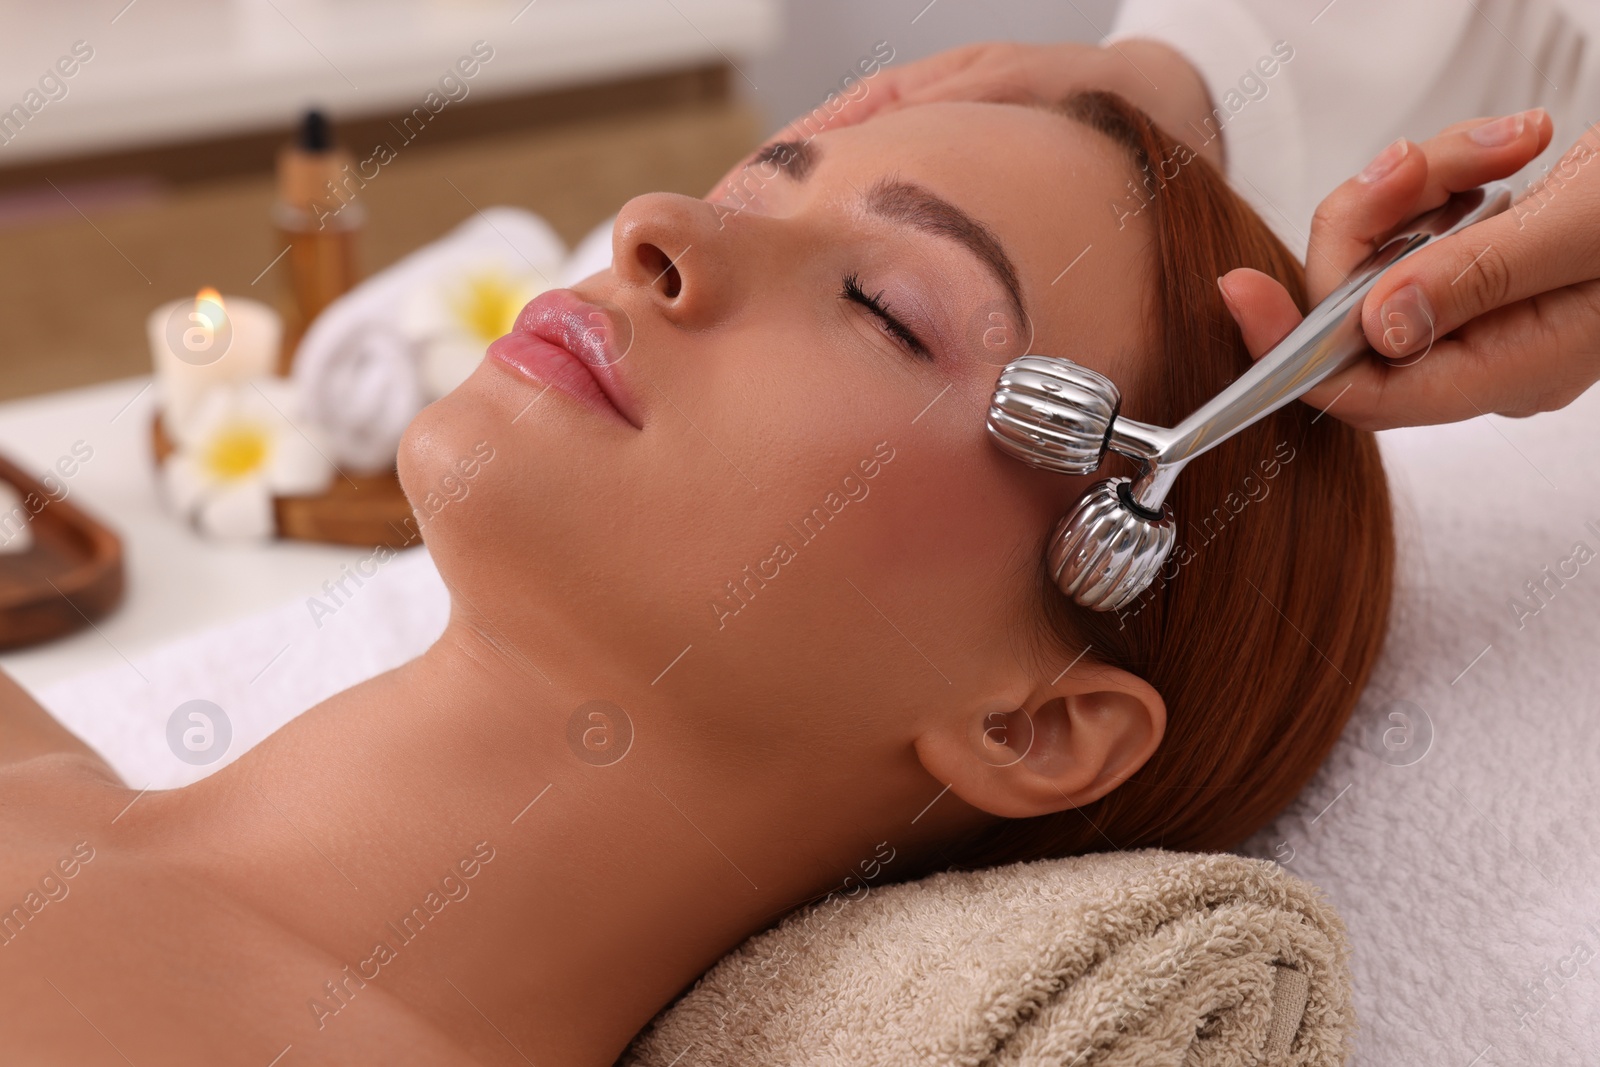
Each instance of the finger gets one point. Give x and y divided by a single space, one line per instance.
883 92
1552 341
1541 243
1262 307
1480 150
1405 180
891 87
1348 222
977 84
1265 313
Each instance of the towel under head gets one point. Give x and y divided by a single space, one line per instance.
1141 957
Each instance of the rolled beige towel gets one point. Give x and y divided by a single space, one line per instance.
1143 957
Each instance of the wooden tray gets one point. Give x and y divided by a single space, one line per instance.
364 510
71 575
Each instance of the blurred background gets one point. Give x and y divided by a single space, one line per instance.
148 172
143 165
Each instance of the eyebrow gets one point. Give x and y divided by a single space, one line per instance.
795 159
909 204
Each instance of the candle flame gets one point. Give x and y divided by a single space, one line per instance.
209 315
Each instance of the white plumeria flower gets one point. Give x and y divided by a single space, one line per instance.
242 445
454 315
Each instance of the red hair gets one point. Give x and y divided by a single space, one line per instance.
1266 622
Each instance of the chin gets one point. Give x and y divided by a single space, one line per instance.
443 453
424 447
494 496
443 433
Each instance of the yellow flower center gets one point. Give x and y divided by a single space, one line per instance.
488 308
237 451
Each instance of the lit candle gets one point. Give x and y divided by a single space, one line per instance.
200 342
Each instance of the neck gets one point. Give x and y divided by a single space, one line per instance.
443 811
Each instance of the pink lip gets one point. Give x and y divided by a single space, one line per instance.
569 344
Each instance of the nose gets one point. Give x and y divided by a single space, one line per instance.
670 246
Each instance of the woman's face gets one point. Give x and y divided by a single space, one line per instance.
808 537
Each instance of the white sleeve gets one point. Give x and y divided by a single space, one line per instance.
1356 69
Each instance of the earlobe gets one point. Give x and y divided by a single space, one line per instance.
1065 747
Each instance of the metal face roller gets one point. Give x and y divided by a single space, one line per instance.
1053 413
1099 551
1057 415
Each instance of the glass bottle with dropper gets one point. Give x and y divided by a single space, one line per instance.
318 217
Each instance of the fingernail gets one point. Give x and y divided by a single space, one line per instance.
1407 321
1500 131
1226 299
1385 161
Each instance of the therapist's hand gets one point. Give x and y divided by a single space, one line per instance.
1509 318
1147 72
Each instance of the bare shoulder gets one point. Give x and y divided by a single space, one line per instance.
46 795
28 731
49 780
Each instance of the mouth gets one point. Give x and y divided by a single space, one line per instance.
564 342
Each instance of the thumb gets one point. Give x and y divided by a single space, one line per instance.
1261 306
1265 313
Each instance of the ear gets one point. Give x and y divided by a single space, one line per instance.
1069 743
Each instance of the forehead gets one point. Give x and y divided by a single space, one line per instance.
1061 198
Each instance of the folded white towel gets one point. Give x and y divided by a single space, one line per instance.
376 355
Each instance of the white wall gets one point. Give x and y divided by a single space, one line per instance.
822 40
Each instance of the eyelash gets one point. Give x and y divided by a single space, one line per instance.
852 291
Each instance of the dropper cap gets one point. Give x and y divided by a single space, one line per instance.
308 163
315 135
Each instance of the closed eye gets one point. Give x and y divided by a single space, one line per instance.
874 302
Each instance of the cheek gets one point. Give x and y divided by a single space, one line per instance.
945 544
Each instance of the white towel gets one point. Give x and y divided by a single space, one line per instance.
1455 825
260 671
